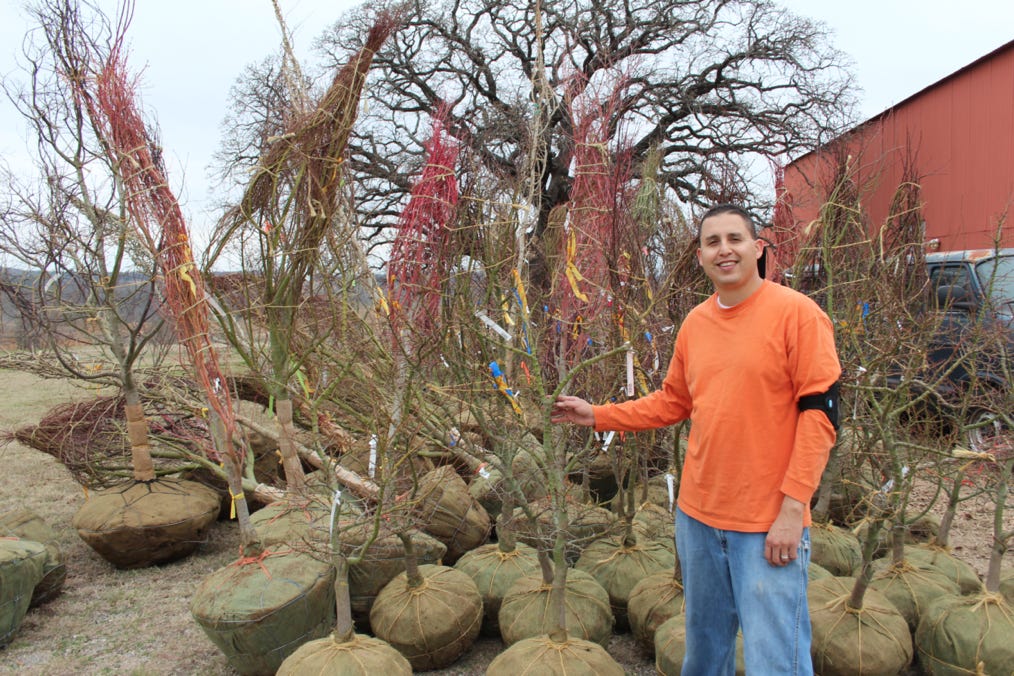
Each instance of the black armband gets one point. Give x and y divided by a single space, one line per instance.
826 402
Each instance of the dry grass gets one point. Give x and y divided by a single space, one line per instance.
106 621
109 621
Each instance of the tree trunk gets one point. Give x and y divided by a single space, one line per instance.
1000 537
238 509
411 564
504 524
295 478
558 593
344 629
358 485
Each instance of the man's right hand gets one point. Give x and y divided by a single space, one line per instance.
573 410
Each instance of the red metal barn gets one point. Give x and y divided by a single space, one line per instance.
956 136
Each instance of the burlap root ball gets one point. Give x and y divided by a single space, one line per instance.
259 610
431 624
494 571
27 525
449 513
815 571
835 549
294 521
525 611
652 602
967 635
542 655
671 647
359 656
1007 586
912 589
21 568
923 556
619 566
383 560
143 523
655 524
873 641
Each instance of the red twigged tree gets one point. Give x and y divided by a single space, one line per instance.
109 98
595 222
781 235
420 259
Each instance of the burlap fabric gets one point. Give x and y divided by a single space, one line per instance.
836 549
383 559
28 525
967 635
873 641
258 611
432 624
449 513
619 567
494 571
912 589
542 655
525 611
142 523
652 602
929 556
360 656
21 567
671 647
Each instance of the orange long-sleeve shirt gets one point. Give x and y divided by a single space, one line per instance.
738 373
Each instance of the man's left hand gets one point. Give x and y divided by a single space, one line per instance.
782 544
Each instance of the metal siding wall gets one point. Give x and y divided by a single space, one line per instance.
961 132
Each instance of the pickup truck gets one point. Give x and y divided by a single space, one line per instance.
974 290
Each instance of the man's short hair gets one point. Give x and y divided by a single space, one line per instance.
720 209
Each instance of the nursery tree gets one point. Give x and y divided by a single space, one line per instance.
89 280
284 217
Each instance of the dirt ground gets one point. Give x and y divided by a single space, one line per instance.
109 621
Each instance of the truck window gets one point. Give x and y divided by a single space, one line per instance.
997 275
950 275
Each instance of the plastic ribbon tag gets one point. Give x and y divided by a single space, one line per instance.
500 382
372 467
499 330
670 484
232 504
573 274
334 508
630 373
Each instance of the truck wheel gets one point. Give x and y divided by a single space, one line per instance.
984 430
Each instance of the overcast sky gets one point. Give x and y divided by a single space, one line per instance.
192 51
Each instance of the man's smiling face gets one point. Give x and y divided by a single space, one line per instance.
728 253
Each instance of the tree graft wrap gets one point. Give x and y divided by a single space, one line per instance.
137 432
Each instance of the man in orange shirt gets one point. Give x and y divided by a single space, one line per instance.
747 366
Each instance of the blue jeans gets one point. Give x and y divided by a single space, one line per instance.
727 585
